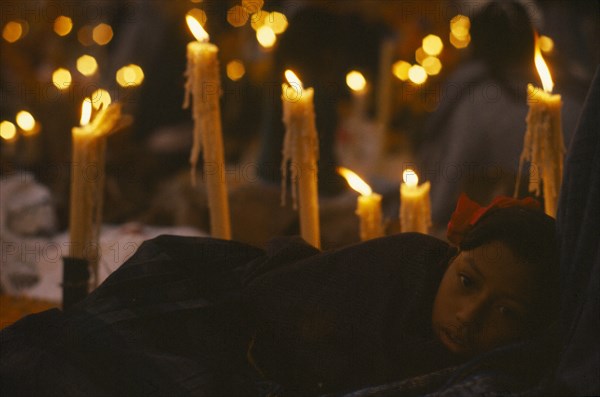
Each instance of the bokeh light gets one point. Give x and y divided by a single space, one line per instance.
199 15
102 34
459 26
276 21
417 74
8 131
432 45
87 65
25 120
432 65
459 31
12 31
84 35
257 20
61 78
252 6
460 43
266 37
237 16
100 98
356 81
63 25
235 70
130 76
420 55
400 70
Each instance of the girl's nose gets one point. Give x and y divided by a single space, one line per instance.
470 311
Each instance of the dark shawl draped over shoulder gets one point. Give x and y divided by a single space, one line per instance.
178 317
351 317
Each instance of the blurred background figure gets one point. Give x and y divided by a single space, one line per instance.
472 142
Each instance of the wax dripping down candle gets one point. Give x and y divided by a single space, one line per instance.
300 149
415 204
368 206
203 85
543 144
87 179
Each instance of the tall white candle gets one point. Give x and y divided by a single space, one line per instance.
300 149
415 204
203 84
87 180
543 143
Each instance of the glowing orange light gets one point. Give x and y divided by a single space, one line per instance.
265 36
294 81
410 177
196 28
355 181
86 112
356 81
25 120
417 74
542 69
8 131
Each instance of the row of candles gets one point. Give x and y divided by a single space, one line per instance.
542 147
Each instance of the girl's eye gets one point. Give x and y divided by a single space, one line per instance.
505 311
465 281
508 312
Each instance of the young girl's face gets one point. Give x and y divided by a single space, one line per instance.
483 300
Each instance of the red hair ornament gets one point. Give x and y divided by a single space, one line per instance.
468 213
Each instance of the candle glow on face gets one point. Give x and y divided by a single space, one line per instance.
410 178
86 112
542 69
355 181
196 28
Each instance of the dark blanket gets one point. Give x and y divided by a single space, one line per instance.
579 232
566 360
351 317
178 318
167 322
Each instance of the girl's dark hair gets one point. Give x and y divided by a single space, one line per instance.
531 236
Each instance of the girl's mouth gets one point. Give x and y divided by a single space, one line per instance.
451 341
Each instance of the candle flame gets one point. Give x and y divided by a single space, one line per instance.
410 178
542 69
293 80
86 112
355 181
196 28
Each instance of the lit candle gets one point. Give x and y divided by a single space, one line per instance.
300 149
87 179
203 84
543 143
368 206
415 204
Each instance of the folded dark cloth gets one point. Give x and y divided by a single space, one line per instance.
167 322
351 317
178 317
